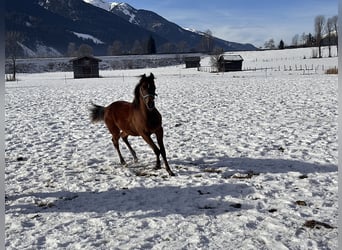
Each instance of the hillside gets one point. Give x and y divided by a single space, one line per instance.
50 27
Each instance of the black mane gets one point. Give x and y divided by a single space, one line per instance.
136 100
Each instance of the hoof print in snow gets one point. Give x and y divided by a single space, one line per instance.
207 207
273 210
202 193
281 149
236 205
212 170
70 198
45 205
20 158
316 224
301 203
247 175
304 176
144 174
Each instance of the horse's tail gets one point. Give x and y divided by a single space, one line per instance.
97 113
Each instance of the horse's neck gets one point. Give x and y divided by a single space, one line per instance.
143 109
149 115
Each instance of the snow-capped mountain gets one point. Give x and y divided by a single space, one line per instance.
102 4
57 24
99 3
174 33
127 10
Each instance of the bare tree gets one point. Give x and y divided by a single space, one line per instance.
270 44
12 48
215 58
71 50
329 29
85 50
182 46
319 27
335 25
303 39
168 48
115 48
137 48
295 40
207 41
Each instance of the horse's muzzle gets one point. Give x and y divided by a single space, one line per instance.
149 101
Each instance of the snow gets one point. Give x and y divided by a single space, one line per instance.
101 4
87 37
123 7
191 30
27 51
128 11
40 50
108 6
255 157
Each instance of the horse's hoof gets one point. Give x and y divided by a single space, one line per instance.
172 173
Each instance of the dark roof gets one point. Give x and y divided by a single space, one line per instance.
192 58
85 57
231 58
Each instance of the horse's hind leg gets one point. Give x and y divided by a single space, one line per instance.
125 139
115 141
115 131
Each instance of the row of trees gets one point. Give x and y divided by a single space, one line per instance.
149 46
326 34
14 47
116 48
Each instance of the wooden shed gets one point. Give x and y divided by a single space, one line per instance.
192 62
85 66
230 63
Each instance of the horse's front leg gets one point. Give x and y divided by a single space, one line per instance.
156 150
159 135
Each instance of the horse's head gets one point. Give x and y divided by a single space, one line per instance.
146 90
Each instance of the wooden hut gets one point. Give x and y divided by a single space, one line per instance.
230 63
192 62
85 67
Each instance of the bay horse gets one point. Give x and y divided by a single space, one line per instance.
137 118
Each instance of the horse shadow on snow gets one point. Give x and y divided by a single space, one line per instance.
166 200
141 201
228 165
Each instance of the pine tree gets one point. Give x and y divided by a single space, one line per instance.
151 46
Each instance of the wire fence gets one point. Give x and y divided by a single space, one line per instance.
303 68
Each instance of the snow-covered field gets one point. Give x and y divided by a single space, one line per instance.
255 157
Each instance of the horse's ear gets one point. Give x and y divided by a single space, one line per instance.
151 76
143 76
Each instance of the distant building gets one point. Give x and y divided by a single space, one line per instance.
85 67
230 63
192 62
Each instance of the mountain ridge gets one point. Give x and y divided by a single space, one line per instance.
56 24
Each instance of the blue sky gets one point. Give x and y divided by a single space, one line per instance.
244 21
